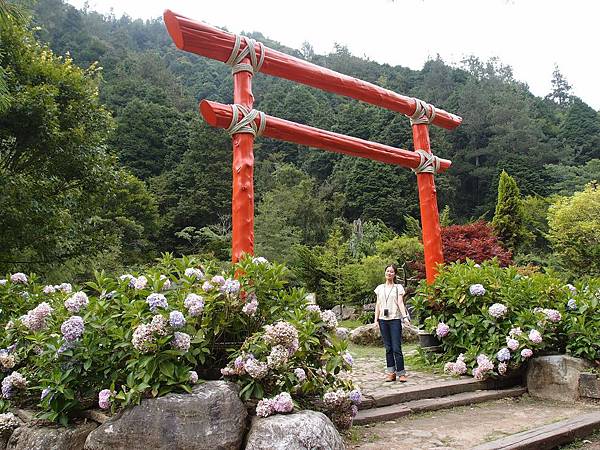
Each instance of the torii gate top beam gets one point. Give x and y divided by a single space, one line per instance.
202 39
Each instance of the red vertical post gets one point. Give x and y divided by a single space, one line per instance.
242 201
430 220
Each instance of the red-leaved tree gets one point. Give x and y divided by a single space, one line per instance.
476 241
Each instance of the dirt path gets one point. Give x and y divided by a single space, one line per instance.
464 427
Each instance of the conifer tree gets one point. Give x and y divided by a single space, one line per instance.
508 219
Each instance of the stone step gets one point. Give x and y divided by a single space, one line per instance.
387 397
548 436
390 412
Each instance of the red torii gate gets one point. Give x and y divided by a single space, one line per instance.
244 124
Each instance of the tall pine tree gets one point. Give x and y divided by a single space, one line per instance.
508 219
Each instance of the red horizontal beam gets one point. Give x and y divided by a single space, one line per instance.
219 115
202 39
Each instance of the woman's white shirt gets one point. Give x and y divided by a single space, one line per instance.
388 297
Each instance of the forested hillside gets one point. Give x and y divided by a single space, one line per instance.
151 90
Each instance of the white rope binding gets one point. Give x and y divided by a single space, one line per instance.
243 121
428 163
424 113
237 55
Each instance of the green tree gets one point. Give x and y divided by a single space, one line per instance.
63 196
509 217
561 89
574 231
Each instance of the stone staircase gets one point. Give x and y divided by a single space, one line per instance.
384 406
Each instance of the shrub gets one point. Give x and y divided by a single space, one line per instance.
575 231
497 312
122 339
475 241
509 217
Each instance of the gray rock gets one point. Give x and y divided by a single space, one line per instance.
343 312
370 334
369 307
8 423
50 437
212 417
589 385
302 430
555 377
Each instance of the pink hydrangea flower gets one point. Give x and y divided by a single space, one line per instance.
498 310
512 344
19 278
104 398
526 353
442 330
535 337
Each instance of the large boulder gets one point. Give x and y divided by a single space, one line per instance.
343 312
370 334
302 430
212 417
8 423
555 377
53 437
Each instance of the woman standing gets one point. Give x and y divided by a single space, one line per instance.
390 312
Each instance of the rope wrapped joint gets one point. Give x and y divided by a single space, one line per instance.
250 50
428 163
424 113
244 121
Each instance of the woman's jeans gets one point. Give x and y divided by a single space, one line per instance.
391 332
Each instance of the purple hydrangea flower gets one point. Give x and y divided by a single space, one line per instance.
156 301
282 403
206 286
49 289
195 304
497 310
514 332
193 377
65 288
140 282
512 344
503 355
477 289
19 278
218 279
278 357
355 396
256 369
313 308
76 302
72 328
330 319
264 408
571 304
300 374
176 319
251 307
442 330
35 319
553 315
230 286
572 288
282 333
3 282
192 272
181 341
104 398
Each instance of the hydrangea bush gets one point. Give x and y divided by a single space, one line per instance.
115 340
493 319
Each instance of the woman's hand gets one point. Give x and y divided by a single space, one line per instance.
406 320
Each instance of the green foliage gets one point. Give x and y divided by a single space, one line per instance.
575 231
64 197
528 299
509 217
129 348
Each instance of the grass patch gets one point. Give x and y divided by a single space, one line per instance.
351 324
416 361
366 351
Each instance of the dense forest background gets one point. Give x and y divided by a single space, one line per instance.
146 175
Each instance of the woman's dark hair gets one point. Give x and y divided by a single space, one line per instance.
393 266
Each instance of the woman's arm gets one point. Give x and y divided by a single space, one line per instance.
403 310
376 312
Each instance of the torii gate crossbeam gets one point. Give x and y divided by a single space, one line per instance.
204 40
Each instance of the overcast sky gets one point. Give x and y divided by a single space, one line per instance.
529 35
